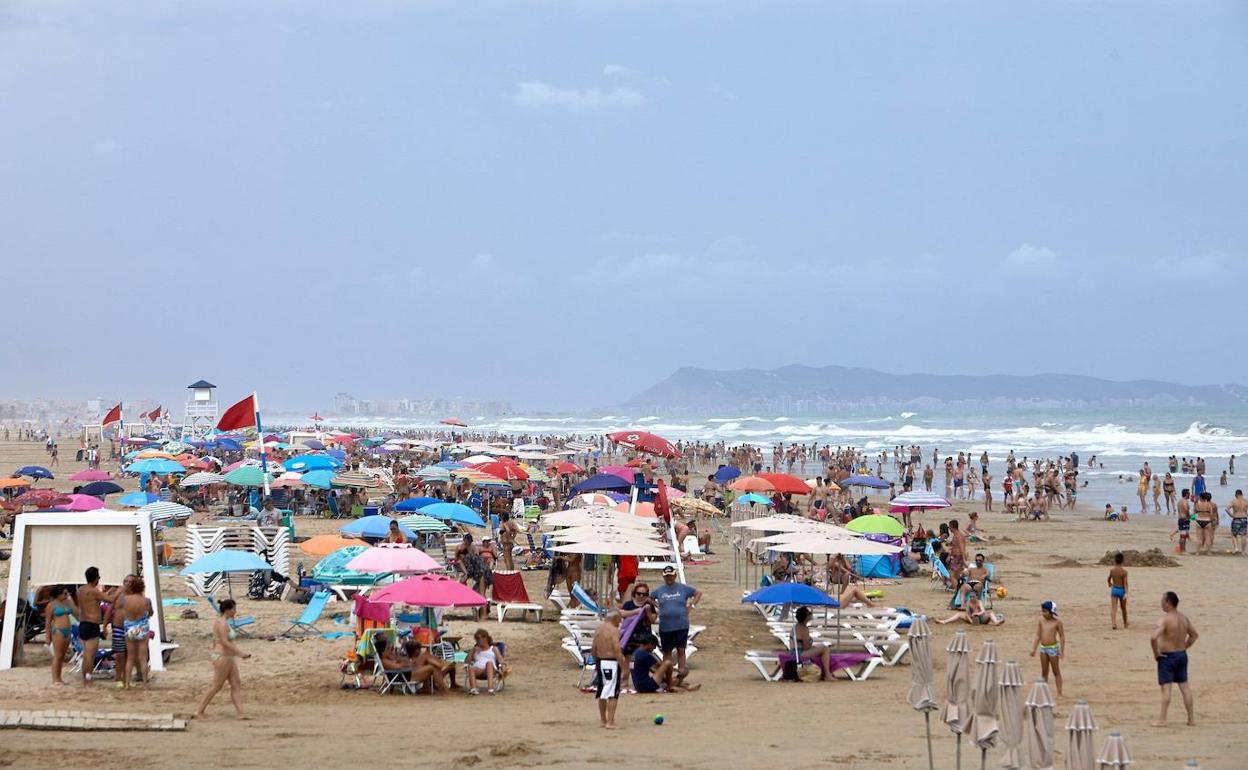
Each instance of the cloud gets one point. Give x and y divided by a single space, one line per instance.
1028 257
624 88
1199 266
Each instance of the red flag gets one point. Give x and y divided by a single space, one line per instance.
241 415
153 415
114 415
661 509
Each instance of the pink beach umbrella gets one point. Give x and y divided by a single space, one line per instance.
623 471
429 591
90 474
82 503
393 557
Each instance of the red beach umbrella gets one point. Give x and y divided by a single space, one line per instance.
455 421
786 483
644 442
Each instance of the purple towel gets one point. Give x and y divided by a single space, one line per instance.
626 627
838 660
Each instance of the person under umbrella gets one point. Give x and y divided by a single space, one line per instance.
955 711
1009 715
921 697
1080 750
1038 724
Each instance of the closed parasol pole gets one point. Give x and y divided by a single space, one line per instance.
921 696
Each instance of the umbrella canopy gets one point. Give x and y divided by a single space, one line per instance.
955 711
751 484
872 482
136 499
419 522
83 503
754 497
323 545
303 463
785 483
505 471
591 530
203 478
90 474
591 498
982 730
416 503
1009 715
613 546
100 488
876 524
601 481
166 511
429 591
787 522
1038 726
155 465
1115 753
456 512
226 560
373 526
34 472
454 421
287 481
791 593
922 697
692 505
919 499
245 476
361 479
434 473
644 442
313 444
42 498
640 509
726 474
153 454
574 517
820 544
564 466
14 483
393 557
318 479
1080 748
229 444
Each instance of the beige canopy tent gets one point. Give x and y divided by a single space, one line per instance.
53 547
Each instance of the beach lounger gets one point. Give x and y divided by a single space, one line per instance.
509 593
237 623
306 622
858 666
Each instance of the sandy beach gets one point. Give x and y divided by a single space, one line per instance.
301 717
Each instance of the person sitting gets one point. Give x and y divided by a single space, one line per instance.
427 669
484 660
395 534
973 612
649 671
804 647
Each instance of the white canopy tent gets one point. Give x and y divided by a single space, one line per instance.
54 547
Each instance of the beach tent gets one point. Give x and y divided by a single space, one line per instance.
52 547
878 566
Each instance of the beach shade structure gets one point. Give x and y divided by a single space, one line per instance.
922 697
303 463
312 443
645 510
787 522
798 594
318 479
955 711
642 441
287 480
614 545
152 454
429 591
90 474
726 473
337 454
871 482
754 497
155 465
394 558
324 545
456 512
245 476
876 524
434 473
416 503
1009 715
982 730
477 459
98 488
226 561
785 483
601 482
34 472
228 443
751 484
564 467
1038 726
82 502
918 500
1115 754
623 471
1080 746
688 506
373 527
454 422
42 498
575 517
824 545
591 498
419 522
357 479
203 478
505 471
136 499
194 464
608 529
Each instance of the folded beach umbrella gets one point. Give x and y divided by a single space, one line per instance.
955 712
419 522
876 524
203 478
922 697
372 527
96 488
90 474
982 729
416 503
394 557
136 499
456 512
1038 726
429 591
1115 753
226 560
1009 714
1080 748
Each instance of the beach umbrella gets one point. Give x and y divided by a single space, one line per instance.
312 443
1010 715
692 505
226 560
642 441
42 498
337 454
787 522
434 473
303 463
623 471
1080 748
393 557
14 483
203 478
359 479
534 473
456 512
82 502
922 696
166 511
785 483
97 488
454 422
754 497
152 454
136 499
588 531
477 459
429 591
416 503
876 524
955 712
574 517
287 481
812 543
1038 726
245 476
372 527
34 472
419 522
726 473
228 444
563 466
504 471
872 482
613 545
194 464
318 479
640 509
591 498
918 500
155 465
1115 753
531 447
600 482
323 545
751 484
90 474
791 593
982 729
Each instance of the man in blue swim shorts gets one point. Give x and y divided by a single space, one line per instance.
1117 581
1171 639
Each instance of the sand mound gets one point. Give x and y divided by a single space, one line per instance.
1153 557
1063 561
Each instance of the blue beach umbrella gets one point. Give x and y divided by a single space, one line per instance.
601 482
416 503
136 499
304 463
155 465
313 444
226 560
100 488
35 472
726 474
456 512
791 593
874 482
337 454
318 479
754 497
229 444
373 526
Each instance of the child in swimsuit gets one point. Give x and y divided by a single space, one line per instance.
1050 642
1117 582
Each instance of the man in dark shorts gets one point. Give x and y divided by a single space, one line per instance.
118 621
651 674
1172 637
609 665
91 619
674 601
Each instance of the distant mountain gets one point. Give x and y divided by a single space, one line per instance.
804 388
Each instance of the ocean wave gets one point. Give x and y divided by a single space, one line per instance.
908 415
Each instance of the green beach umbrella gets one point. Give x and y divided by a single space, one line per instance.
418 522
246 476
876 524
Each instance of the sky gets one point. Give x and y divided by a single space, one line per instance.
559 203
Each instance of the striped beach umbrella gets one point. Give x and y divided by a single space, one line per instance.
418 522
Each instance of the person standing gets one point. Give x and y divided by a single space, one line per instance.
1171 639
136 612
58 619
610 665
1117 581
1050 641
225 656
1238 511
674 601
91 619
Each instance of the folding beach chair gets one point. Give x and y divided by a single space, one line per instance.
102 655
509 593
306 623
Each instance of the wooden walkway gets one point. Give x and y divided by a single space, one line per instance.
56 719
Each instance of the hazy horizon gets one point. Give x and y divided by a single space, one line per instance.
558 204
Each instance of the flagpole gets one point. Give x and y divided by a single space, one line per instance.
264 463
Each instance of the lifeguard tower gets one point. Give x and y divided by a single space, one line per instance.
201 409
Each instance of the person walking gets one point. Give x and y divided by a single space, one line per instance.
225 656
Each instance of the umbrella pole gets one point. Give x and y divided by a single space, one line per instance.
957 738
983 759
927 719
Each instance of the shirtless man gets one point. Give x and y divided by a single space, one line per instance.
1117 582
507 531
1238 511
91 619
1051 642
611 665
1170 640
957 548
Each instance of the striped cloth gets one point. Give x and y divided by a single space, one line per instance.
165 512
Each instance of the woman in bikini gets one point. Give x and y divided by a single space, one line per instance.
57 617
1206 513
1167 486
225 656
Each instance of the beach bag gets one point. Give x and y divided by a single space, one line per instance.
790 672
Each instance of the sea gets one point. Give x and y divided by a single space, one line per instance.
1122 440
